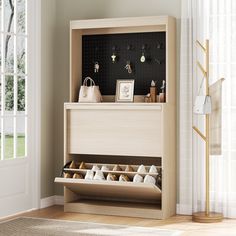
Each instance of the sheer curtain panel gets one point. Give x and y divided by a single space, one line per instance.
214 20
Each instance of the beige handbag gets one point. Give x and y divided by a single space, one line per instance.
89 94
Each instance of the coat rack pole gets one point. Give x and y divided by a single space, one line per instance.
207 134
206 216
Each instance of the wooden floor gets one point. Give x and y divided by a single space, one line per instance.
183 223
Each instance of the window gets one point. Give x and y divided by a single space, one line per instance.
13 86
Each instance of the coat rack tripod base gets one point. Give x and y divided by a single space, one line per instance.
206 216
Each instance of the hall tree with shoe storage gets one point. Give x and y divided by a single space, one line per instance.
121 140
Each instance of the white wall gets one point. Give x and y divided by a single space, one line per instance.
67 10
47 101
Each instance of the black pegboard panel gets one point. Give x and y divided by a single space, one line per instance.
100 48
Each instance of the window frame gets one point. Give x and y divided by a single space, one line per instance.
15 116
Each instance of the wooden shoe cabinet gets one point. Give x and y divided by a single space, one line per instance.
121 134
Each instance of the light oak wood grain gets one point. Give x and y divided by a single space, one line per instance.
119 130
117 208
112 189
127 132
117 23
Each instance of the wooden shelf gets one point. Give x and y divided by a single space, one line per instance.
112 189
115 105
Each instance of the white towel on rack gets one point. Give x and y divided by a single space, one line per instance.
216 118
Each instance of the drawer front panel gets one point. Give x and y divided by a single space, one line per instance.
112 189
119 132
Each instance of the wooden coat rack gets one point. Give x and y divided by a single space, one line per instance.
206 216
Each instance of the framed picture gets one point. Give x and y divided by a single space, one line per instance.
125 90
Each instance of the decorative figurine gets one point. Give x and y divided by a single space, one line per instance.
162 95
96 67
153 91
163 86
128 67
142 58
113 58
153 83
147 98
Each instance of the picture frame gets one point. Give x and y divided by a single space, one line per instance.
124 90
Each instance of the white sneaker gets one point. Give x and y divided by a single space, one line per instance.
99 175
153 169
89 175
142 169
149 179
138 178
95 168
105 168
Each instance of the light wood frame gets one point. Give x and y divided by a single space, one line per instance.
118 82
151 134
116 26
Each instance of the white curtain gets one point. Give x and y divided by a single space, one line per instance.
214 20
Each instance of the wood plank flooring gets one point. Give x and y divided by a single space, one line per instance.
183 223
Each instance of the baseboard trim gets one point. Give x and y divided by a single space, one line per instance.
182 209
16 214
51 201
59 200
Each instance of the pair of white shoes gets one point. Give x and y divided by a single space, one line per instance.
96 168
142 169
147 179
97 176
